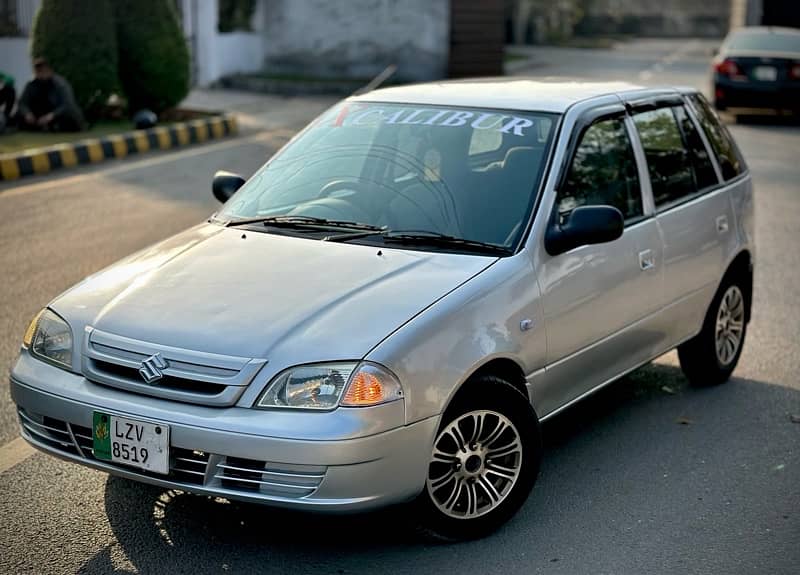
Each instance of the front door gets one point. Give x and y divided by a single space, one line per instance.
596 297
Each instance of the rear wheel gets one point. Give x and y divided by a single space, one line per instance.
484 462
710 357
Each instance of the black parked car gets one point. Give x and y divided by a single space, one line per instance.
758 67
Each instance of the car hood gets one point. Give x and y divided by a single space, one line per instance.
251 294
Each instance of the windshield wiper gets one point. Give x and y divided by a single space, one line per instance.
289 221
424 237
436 238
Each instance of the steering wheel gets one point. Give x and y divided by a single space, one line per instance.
344 184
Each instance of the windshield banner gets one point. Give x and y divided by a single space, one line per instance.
373 115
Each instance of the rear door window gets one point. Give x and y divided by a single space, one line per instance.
730 161
603 172
668 162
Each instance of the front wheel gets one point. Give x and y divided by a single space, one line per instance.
484 462
710 357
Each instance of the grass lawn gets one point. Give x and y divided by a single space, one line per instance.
18 141
513 57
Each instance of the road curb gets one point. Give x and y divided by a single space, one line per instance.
94 150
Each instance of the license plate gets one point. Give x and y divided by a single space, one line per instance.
141 444
765 73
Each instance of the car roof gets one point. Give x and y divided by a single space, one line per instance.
512 93
762 33
764 30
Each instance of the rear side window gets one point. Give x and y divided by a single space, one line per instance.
668 162
704 174
603 172
730 162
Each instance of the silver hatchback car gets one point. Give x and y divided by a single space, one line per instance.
387 310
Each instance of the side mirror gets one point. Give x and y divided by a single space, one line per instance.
225 184
585 225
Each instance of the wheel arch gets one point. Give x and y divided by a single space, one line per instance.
504 368
741 266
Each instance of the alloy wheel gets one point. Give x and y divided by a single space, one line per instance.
730 325
476 461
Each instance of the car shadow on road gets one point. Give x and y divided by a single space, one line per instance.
610 454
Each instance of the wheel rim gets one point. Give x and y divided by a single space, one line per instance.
476 462
730 325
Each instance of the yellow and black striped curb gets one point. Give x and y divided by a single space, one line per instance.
42 160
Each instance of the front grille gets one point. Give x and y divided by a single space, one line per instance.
52 432
188 466
83 437
282 480
186 375
166 382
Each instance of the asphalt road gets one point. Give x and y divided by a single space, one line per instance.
647 476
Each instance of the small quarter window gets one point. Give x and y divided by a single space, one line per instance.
704 174
668 162
730 162
603 172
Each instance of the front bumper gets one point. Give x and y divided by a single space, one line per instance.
209 455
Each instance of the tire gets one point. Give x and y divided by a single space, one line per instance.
711 356
487 493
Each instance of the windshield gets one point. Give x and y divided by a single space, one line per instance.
765 41
466 173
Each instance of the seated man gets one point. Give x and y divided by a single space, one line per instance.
47 102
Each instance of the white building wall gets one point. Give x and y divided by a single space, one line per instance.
357 38
216 55
15 57
15 60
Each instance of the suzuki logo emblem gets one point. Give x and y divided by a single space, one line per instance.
152 368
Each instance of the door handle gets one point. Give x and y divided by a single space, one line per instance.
722 224
646 260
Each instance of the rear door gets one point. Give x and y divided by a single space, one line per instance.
693 212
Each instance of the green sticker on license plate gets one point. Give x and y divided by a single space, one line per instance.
101 432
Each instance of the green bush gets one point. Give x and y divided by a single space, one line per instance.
153 57
78 39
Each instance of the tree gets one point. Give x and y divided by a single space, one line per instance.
153 57
78 39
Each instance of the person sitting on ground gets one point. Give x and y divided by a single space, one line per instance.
7 95
47 102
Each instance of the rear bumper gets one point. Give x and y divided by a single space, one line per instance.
339 475
772 95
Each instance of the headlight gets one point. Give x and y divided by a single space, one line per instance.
50 338
325 386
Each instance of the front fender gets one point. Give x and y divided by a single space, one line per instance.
437 351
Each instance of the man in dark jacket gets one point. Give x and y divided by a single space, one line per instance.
47 102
